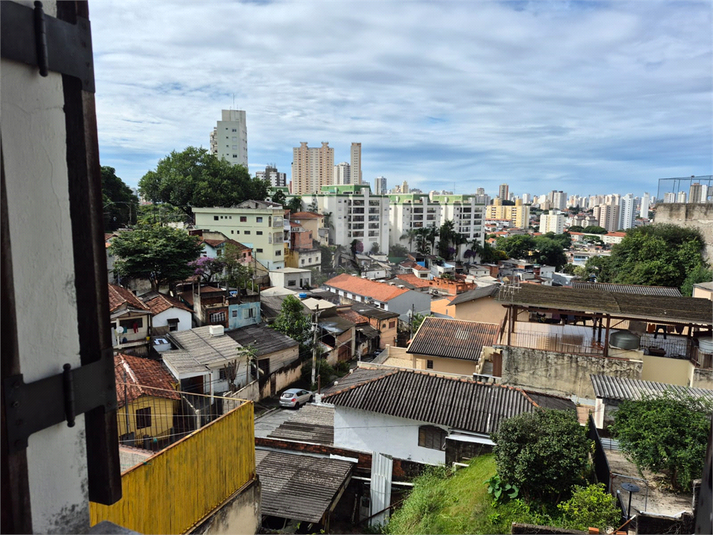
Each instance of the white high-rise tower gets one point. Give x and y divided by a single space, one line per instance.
229 139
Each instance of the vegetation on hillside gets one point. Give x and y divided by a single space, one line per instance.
120 205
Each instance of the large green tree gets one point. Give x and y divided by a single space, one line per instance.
518 246
655 255
292 321
120 203
160 254
544 453
667 432
196 178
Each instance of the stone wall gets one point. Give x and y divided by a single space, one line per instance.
702 378
562 374
698 216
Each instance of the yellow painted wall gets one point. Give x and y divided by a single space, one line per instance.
183 484
440 306
666 370
162 411
487 310
445 365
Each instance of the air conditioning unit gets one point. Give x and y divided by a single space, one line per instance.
216 330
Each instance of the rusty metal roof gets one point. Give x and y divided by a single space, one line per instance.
457 403
456 339
621 388
659 308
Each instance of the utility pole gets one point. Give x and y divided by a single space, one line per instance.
314 346
410 323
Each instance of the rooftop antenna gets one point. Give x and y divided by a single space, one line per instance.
233 107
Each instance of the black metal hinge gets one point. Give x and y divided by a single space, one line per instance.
35 406
29 36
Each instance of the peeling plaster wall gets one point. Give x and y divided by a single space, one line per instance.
562 373
699 216
34 150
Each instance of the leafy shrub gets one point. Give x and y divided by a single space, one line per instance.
590 506
501 492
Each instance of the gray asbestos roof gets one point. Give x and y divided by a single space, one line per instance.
480 291
456 403
299 487
636 289
199 351
265 339
618 388
451 338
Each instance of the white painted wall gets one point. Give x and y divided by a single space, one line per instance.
34 150
184 318
370 431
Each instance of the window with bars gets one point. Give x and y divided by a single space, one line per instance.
217 317
432 437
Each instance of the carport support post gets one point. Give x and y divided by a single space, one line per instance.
606 337
314 347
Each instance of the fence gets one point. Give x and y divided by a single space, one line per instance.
565 343
601 465
180 486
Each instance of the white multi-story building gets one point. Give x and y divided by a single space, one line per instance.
277 179
645 205
669 197
355 166
504 192
526 198
229 139
467 216
552 222
380 187
355 214
256 224
559 200
342 174
627 212
681 197
312 168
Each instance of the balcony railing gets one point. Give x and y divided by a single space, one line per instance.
554 342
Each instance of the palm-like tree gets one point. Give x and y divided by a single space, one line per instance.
410 235
431 235
422 245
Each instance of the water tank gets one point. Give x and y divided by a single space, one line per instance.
624 340
303 295
705 345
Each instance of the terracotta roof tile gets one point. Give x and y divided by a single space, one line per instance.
119 296
353 316
356 285
413 279
158 302
137 376
306 215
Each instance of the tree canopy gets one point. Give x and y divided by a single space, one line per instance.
120 203
160 254
196 178
292 321
667 432
544 453
654 255
547 249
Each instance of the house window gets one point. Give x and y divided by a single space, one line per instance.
431 437
248 313
133 324
234 314
243 219
429 364
259 232
259 250
215 218
221 374
392 324
278 253
258 219
246 232
172 324
292 283
217 317
219 252
143 418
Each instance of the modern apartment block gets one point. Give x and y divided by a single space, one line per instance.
608 216
277 179
355 214
380 187
342 174
256 224
645 206
552 222
519 215
229 139
465 212
355 166
627 212
312 168
504 192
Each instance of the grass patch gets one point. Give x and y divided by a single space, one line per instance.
455 503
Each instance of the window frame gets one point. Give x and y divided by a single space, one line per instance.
143 418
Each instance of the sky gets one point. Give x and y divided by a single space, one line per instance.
587 97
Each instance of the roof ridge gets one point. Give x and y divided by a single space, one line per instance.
368 381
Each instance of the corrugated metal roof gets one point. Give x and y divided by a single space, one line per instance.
637 289
471 295
265 339
620 388
199 350
456 339
297 486
650 307
457 403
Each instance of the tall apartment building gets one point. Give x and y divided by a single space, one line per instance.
312 168
669 197
356 214
698 193
526 198
552 222
645 206
256 224
504 192
380 187
465 212
681 197
518 215
277 179
608 216
559 200
229 139
355 163
627 212
342 174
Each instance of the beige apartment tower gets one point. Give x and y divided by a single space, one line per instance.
355 167
312 168
229 139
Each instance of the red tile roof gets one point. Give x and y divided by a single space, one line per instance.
356 285
353 316
306 215
413 279
158 302
136 377
119 296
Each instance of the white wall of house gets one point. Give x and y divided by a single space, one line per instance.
370 431
184 318
291 278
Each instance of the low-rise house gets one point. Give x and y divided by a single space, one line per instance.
703 290
130 321
291 278
338 334
303 250
313 223
385 323
478 304
231 308
424 417
215 244
146 402
353 289
453 346
168 312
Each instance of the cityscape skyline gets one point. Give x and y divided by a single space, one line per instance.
587 96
